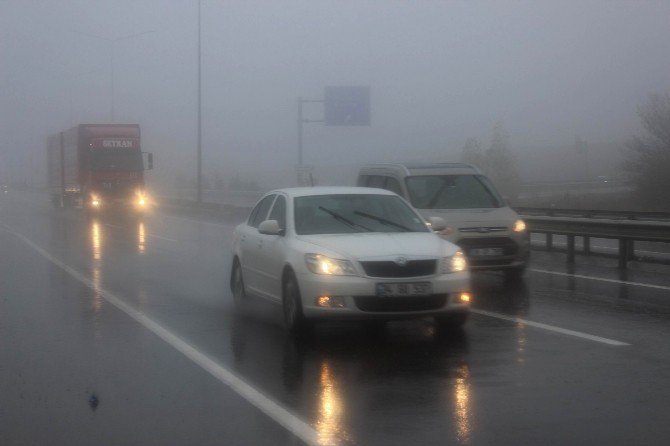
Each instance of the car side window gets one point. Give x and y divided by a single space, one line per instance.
261 211
279 211
363 180
393 185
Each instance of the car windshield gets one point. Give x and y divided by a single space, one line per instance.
347 213
452 192
116 159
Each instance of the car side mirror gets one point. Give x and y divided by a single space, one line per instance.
270 227
437 223
150 161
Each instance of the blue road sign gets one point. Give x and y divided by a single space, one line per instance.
345 106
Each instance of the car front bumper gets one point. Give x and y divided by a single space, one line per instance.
359 300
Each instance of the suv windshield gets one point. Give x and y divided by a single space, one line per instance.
116 159
452 192
341 214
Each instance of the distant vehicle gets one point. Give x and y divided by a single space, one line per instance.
347 253
4 188
98 166
490 233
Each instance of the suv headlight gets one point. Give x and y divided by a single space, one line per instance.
519 226
454 264
319 264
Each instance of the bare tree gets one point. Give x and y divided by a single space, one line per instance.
472 153
648 159
497 162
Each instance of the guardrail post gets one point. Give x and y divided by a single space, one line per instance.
550 242
623 252
631 250
571 249
587 245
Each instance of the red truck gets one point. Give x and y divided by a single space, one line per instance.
98 166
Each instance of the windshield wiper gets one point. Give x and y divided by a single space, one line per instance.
383 221
343 219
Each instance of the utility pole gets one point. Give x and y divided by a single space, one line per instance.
199 193
300 122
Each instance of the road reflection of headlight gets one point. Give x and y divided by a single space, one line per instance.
96 245
96 240
141 238
329 422
463 412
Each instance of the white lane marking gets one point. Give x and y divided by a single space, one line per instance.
264 403
161 237
553 328
148 235
602 279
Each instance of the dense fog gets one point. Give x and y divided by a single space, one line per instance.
548 75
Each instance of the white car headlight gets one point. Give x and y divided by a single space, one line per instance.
454 264
319 264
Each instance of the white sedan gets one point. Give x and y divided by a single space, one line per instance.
348 252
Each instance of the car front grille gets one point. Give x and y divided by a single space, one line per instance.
413 268
400 304
484 229
509 248
508 245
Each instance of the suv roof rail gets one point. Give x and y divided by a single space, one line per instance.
407 166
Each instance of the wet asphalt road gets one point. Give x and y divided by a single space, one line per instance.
586 361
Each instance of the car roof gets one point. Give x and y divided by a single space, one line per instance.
329 190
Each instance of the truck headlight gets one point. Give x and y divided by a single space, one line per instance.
142 200
320 264
454 264
519 226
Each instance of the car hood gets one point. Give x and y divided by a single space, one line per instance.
473 217
365 246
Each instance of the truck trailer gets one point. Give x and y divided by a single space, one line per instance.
98 166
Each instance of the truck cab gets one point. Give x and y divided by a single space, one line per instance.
100 166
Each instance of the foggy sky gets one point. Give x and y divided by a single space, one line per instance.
440 72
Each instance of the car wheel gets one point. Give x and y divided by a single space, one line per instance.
292 306
451 321
237 285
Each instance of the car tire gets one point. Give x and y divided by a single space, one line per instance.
451 321
237 286
294 319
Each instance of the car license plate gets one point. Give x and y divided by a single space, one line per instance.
486 252
404 289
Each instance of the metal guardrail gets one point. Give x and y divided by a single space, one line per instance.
612 215
627 232
626 227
